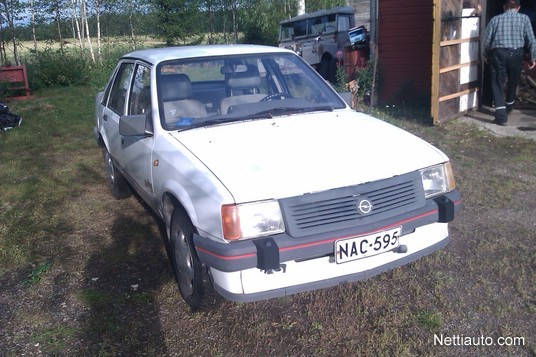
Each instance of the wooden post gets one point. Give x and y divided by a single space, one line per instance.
436 40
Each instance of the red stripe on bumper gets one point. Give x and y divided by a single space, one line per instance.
312 244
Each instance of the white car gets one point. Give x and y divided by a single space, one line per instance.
264 177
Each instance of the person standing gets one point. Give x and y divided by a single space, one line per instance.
505 39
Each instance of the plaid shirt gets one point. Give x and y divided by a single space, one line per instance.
510 30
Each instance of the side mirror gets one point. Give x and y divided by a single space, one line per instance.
136 125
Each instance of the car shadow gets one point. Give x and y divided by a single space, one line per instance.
121 283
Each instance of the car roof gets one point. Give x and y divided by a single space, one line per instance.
347 10
157 55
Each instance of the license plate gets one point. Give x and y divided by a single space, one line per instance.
354 248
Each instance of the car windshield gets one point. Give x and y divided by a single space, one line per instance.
208 91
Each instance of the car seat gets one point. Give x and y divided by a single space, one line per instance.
175 91
244 88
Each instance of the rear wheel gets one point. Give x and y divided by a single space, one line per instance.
117 183
186 265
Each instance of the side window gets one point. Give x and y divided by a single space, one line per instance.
140 94
300 28
120 88
344 23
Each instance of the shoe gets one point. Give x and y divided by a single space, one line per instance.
501 123
509 108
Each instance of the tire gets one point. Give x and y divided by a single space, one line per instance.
116 181
186 265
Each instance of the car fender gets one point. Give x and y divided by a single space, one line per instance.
203 209
179 174
174 194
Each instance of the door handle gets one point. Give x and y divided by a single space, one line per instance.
105 117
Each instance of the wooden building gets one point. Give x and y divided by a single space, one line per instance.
428 53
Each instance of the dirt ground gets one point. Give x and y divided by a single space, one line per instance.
103 285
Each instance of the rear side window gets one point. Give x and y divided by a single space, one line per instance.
120 87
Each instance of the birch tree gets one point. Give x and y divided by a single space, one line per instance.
86 23
10 10
3 54
32 12
76 24
130 10
97 16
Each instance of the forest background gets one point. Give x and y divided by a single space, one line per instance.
69 42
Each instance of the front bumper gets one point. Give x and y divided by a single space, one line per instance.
279 265
297 276
261 253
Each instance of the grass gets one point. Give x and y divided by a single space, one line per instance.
428 319
37 274
42 165
53 340
100 282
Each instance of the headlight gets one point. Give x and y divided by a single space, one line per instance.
437 180
251 220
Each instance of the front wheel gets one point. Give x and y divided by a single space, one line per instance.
186 264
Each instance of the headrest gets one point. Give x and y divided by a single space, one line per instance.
175 87
250 78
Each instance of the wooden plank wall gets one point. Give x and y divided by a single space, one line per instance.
361 12
405 50
456 46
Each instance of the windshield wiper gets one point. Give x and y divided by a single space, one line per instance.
270 113
211 122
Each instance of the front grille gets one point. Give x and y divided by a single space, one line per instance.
338 208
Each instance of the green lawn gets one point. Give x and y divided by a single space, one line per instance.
84 274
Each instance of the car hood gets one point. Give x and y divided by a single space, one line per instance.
292 155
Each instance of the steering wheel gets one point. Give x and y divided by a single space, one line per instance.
274 95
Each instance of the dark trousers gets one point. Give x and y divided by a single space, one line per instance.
506 66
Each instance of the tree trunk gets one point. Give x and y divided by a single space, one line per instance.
99 49
301 7
82 7
3 54
210 22
9 15
58 27
235 24
34 38
77 23
131 25
224 15
88 37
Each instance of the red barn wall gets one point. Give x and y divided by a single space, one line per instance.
405 29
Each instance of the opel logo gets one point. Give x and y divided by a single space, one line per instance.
364 206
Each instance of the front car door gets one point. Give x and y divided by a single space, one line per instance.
131 95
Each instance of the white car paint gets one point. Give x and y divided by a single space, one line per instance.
196 170
297 154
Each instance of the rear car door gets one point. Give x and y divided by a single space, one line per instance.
115 108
